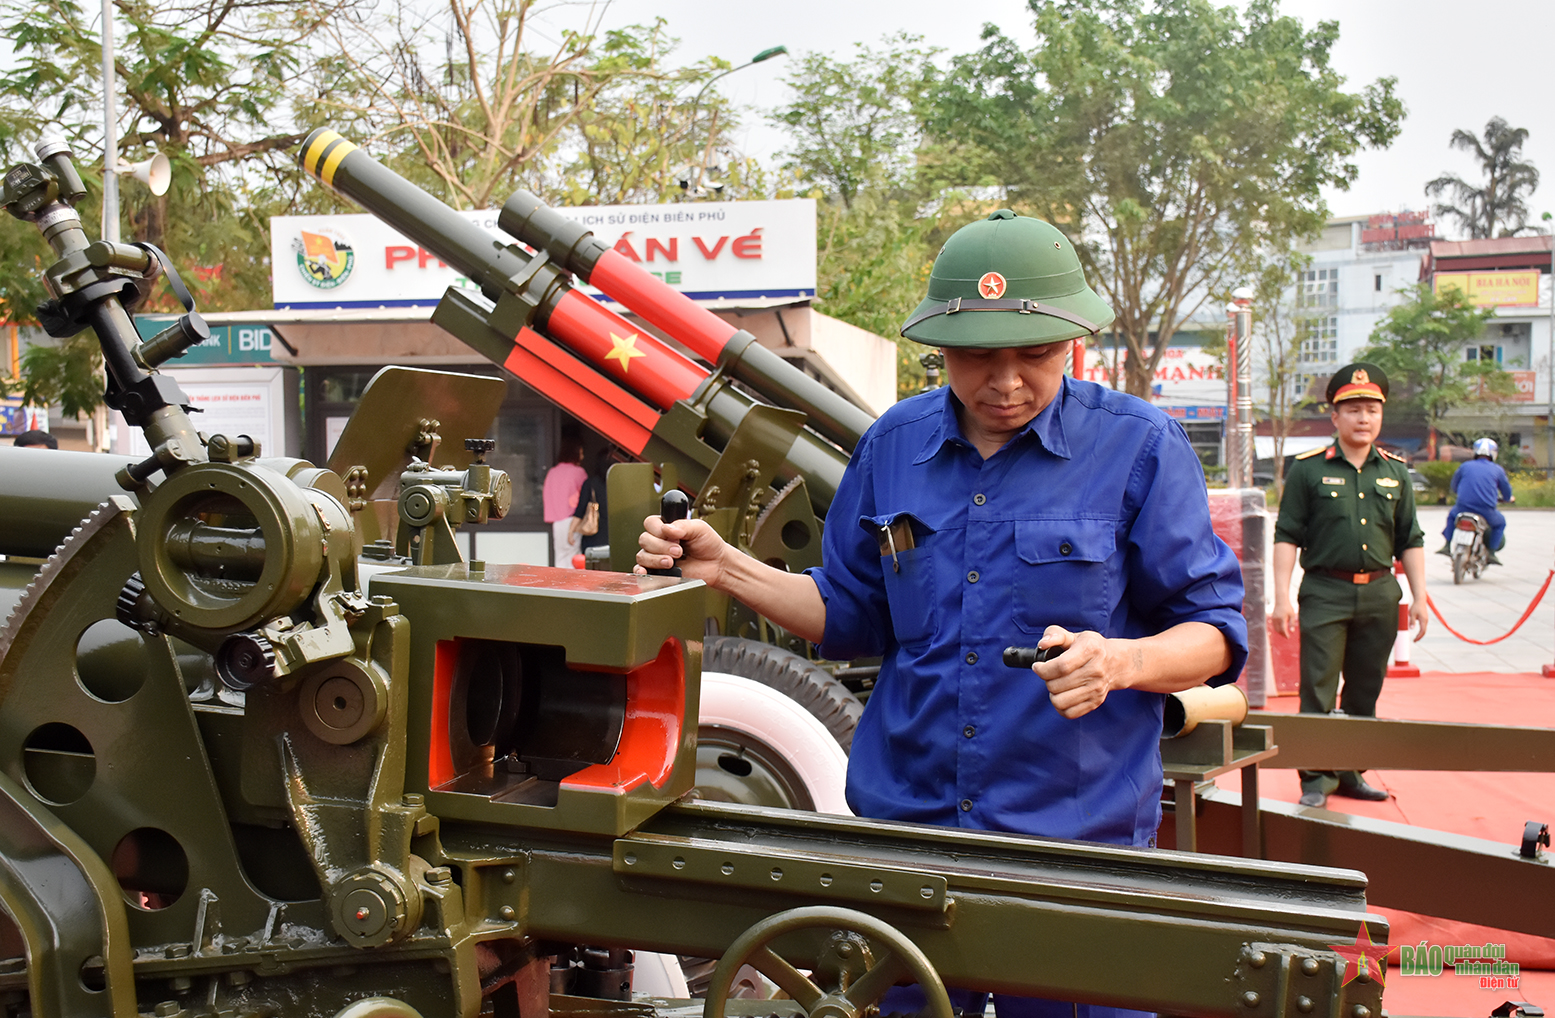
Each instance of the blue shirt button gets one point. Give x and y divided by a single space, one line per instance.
972 576
969 731
966 805
1065 548
979 499
971 657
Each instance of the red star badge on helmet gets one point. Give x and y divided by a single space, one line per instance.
991 286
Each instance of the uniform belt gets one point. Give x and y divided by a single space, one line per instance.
1340 574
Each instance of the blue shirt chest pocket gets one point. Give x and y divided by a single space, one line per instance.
1065 576
907 560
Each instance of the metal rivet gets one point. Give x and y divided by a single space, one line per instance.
845 950
1304 1005
777 873
508 876
1310 965
630 858
508 912
1250 998
727 869
1257 959
678 862
926 891
1360 1011
826 879
876 886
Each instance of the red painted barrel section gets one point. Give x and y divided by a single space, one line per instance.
623 352
669 310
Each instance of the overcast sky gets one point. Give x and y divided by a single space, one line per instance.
1457 65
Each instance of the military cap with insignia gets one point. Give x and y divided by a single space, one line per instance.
1358 381
1023 270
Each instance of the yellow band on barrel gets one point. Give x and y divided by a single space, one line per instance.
339 152
310 158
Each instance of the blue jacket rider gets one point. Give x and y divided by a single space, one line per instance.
1478 485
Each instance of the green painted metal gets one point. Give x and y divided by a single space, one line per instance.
48 493
66 905
1336 742
1432 872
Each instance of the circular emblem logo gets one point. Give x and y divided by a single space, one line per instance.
991 286
324 256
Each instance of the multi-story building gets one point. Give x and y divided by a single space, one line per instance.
1359 267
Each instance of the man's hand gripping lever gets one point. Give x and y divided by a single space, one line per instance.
673 508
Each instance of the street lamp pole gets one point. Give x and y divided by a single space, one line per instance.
764 55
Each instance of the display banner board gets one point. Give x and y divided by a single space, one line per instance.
717 252
1491 289
230 401
1188 380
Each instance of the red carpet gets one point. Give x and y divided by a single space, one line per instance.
1485 805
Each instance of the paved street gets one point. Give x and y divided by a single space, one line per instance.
1487 607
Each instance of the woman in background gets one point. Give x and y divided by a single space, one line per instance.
560 493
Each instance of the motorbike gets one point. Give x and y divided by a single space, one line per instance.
1470 553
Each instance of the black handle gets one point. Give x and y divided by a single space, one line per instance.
673 508
1025 657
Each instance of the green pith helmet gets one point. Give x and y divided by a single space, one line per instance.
1021 277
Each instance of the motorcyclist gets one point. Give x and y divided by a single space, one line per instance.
1477 484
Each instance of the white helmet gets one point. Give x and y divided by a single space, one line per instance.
1485 447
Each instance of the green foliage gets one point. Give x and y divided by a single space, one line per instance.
1420 344
1533 490
463 99
1173 140
1509 180
1438 473
855 124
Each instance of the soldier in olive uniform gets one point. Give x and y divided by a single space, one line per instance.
1350 508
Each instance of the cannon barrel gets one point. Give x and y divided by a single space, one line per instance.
585 357
48 493
577 250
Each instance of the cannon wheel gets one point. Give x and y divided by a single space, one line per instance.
802 681
758 747
855 981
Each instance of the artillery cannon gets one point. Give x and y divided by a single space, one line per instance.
233 783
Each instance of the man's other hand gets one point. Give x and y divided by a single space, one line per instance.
1418 619
1283 618
690 544
1079 679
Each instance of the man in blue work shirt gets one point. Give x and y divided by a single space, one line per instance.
1014 506
1478 485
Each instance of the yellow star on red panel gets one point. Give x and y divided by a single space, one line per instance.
623 349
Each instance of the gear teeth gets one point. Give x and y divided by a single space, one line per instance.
95 521
772 503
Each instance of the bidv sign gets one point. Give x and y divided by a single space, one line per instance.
229 344
719 251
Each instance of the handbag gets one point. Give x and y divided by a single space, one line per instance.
590 525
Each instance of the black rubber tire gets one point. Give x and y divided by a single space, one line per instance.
804 682
1459 560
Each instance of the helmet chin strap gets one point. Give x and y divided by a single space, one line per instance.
956 305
